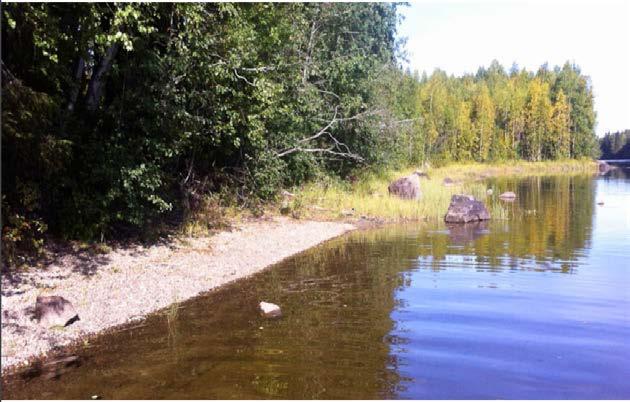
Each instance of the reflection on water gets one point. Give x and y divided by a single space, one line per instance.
534 306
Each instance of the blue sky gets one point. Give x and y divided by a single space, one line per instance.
459 36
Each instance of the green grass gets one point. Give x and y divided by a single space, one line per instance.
368 196
516 168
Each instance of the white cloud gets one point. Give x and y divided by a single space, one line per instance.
460 36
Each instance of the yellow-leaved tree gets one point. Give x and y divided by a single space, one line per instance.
538 125
561 125
483 126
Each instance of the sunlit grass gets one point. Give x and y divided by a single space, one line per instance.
368 196
515 168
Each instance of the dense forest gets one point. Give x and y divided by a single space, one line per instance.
615 145
493 115
117 117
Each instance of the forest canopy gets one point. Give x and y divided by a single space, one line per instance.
118 116
615 145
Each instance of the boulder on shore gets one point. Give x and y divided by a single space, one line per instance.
407 188
270 310
508 195
464 208
54 311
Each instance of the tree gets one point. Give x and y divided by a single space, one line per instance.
116 117
538 123
483 121
578 91
465 132
559 143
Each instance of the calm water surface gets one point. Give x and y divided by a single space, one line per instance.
533 306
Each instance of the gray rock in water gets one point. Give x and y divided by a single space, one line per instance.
54 311
604 167
407 187
464 208
508 195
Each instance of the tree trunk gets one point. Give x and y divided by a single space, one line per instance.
97 82
78 78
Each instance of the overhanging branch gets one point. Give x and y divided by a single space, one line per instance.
337 148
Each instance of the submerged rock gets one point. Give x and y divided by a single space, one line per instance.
51 369
270 310
407 187
508 195
54 311
464 208
467 232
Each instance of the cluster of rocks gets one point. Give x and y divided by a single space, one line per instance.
462 209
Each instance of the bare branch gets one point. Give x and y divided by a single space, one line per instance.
262 69
359 116
242 78
7 73
190 169
323 130
338 148
328 93
324 150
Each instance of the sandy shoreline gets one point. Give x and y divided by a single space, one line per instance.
127 284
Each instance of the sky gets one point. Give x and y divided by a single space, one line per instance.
459 36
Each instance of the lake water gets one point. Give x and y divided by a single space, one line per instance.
533 306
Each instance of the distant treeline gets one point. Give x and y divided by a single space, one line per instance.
495 115
615 145
116 117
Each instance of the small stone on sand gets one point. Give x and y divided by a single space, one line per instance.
270 310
